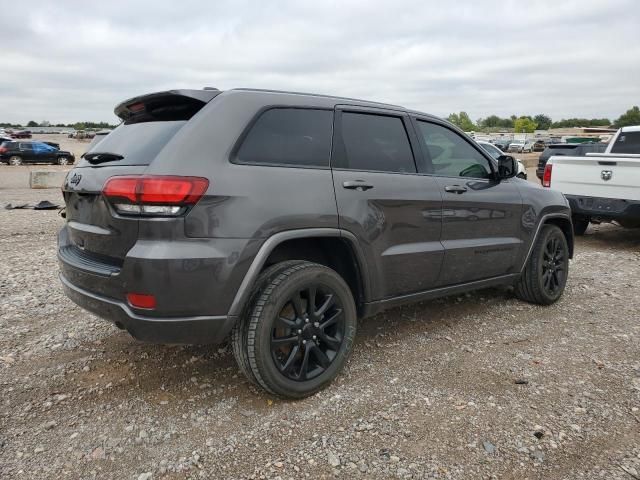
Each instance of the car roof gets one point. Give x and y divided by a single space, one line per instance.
208 94
337 99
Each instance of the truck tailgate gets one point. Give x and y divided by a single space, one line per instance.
604 177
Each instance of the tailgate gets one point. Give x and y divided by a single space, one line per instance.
604 177
96 232
92 226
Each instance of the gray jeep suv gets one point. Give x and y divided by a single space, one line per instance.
278 219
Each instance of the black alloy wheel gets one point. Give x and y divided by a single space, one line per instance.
553 265
544 277
308 333
298 330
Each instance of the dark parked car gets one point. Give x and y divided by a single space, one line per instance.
17 153
21 134
279 219
97 138
502 144
539 146
571 149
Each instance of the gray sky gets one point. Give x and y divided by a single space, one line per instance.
67 61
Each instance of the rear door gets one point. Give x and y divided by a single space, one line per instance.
26 152
480 216
382 199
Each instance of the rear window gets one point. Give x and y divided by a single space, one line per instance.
627 142
137 143
289 136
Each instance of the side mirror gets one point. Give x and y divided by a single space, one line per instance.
507 167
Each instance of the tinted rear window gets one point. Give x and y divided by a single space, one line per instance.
627 142
138 143
375 143
289 136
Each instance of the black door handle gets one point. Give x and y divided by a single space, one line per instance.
357 185
455 189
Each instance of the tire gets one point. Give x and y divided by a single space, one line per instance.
15 160
63 161
294 351
545 274
522 176
239 332
580 225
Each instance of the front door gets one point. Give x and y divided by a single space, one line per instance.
480 215
394 211
43 152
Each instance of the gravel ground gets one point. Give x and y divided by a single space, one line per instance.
476 386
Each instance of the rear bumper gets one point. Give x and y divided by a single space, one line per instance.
171 330
194 282
604 208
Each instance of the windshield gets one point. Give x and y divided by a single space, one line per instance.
491 150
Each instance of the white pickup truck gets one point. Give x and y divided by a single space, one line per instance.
601 187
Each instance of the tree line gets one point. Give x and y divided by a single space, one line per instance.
527 124
77 125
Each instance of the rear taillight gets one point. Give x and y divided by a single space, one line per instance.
3 150
546 176
154 195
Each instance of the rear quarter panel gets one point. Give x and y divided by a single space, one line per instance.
245 201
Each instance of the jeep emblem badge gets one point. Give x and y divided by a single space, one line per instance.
606 175
75 179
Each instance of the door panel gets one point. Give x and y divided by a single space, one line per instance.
26 152
480 215
480 229
398 221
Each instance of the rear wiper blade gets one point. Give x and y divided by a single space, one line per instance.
100 157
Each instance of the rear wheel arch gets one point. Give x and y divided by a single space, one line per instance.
333 252
333 248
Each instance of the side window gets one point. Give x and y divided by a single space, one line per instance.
451 155
375 143
26 146
289 136
42 148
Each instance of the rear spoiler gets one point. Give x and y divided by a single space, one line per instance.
165 106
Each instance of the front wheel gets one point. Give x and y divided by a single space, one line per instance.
63 161
545 274
299 329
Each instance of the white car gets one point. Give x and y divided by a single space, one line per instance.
495 152
516 146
